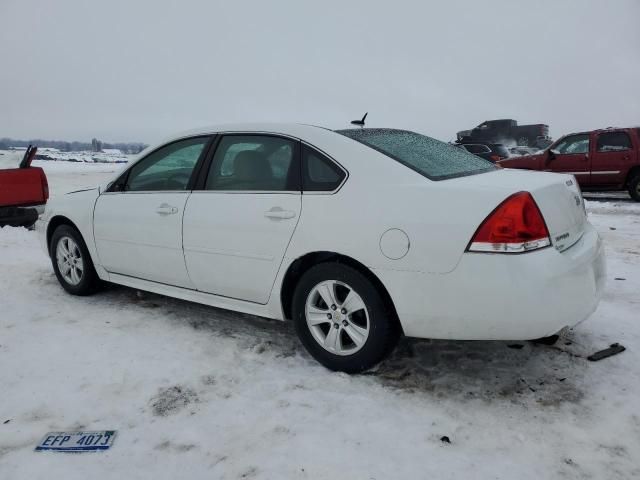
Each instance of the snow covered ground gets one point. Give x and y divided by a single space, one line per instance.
65 176
198 392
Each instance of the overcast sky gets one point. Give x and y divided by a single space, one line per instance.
139 70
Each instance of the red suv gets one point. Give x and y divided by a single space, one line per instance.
606 159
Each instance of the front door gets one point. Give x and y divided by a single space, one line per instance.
138 222
614 154
238 225
571 155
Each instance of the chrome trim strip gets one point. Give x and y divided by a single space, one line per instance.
486 247
605 172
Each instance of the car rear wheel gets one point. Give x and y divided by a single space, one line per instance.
634 187
71 262
341 318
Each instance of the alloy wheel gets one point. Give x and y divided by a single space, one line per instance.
69 259
337 317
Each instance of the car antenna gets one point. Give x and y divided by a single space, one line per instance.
360 123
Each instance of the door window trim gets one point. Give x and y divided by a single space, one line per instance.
124 176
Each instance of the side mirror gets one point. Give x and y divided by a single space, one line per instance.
552 154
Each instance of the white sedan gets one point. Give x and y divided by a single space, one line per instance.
357 236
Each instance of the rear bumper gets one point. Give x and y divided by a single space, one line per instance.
502 297
18 216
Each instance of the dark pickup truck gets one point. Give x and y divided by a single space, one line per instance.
22 191
601 160
507 131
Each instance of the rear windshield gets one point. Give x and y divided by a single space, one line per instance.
434 159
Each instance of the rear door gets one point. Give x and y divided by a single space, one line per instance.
571 155
238 223
138 221
613 156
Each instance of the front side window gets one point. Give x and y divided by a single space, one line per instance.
254 163
319 173
613 142
573 144
431 158
168 168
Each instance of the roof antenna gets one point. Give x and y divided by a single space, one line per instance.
360 123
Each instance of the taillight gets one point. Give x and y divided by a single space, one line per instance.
515 226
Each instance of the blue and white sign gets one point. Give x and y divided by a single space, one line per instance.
77 441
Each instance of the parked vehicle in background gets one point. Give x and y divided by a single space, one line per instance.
519 151
272 220
23 192
601 160
507 131
493 152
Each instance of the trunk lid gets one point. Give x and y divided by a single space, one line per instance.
558 196
563 209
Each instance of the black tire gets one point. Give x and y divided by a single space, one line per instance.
383 327
634 187
89 280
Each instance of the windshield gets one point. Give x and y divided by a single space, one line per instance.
434 159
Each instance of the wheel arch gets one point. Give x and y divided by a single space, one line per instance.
299 266
633 171
54 223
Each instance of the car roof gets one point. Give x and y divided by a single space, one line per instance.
350 154
298 130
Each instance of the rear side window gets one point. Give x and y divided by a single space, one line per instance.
254 163
613 142
434 159
319 173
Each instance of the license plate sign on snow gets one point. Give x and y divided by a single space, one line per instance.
77 441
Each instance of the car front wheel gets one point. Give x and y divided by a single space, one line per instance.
71 261
341 318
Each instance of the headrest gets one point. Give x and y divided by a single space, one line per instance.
250 166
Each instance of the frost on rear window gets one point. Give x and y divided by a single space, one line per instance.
432 158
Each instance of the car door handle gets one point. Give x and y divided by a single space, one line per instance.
278 213
165 209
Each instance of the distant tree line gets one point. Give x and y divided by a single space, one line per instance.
95 145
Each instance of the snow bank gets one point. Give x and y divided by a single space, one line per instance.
198 392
